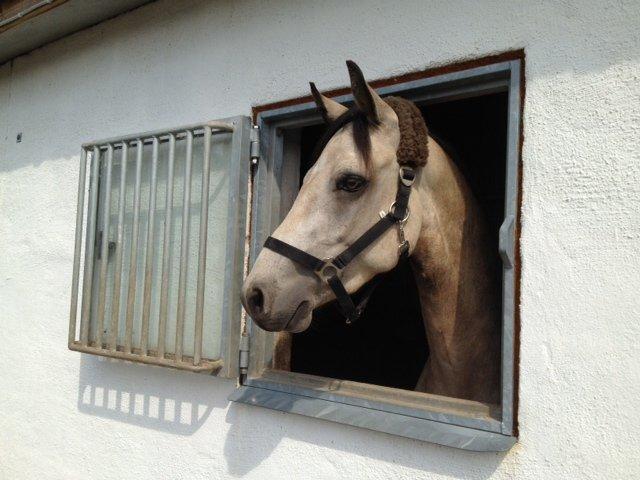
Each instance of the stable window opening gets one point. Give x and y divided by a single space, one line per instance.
387 345
364 374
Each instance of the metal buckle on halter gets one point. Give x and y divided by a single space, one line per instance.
327 270
407 175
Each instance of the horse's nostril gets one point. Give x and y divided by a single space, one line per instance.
256 301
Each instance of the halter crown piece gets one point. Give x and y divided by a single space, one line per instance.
329 270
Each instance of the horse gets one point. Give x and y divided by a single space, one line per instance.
445 236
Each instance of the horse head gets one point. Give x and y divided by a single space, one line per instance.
354 177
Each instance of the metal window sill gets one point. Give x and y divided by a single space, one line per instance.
396 424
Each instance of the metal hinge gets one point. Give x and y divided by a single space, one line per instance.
244 356
255 145
506 241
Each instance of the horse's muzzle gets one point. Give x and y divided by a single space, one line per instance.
259 305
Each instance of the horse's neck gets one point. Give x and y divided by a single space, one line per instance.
453 268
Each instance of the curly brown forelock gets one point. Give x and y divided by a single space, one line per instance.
413 150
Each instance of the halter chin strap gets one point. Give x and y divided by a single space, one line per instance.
329 270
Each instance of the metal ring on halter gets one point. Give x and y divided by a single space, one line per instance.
328 270
406 217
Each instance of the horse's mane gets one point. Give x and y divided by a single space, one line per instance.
413 150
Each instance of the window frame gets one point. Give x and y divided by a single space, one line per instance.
86 246
447 421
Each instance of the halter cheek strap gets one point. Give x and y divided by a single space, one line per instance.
329 270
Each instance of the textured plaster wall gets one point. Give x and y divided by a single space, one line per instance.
71 416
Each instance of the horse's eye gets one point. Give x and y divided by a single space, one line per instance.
350 182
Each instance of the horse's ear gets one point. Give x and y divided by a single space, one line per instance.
367 100
329 109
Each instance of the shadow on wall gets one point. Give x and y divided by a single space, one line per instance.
180 403
160 399
256 432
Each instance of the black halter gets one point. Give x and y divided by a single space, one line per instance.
329 269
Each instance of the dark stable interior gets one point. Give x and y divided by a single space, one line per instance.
387 345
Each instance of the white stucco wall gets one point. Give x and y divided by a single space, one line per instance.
169 63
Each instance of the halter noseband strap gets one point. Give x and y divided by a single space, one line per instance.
329 270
